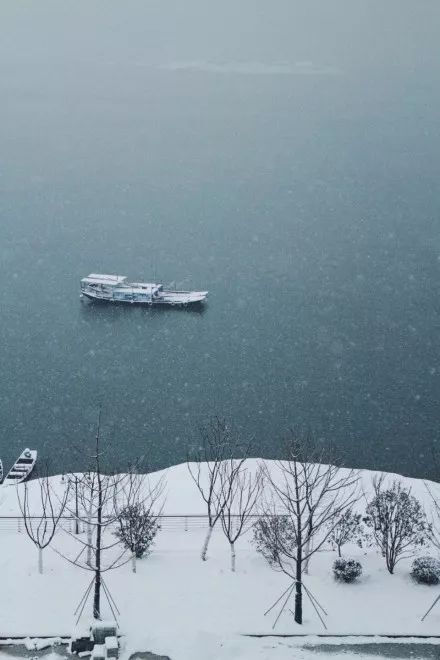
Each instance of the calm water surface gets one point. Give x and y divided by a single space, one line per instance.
285 157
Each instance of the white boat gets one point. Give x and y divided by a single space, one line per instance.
115 288
22 467
1 471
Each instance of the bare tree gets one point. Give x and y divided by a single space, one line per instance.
347 527
312 495
103 495
434 524
240 491
434 494
216 446
41 512
397 521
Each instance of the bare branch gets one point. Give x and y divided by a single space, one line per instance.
240 491
217 444
41 516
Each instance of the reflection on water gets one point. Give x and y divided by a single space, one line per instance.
100 309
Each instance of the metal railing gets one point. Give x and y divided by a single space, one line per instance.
169 523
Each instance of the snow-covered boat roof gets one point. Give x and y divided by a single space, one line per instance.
108 280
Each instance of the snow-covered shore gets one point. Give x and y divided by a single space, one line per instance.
181 497
188 609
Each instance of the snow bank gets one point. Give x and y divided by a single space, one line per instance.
182 498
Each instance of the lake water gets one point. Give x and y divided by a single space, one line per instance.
284 156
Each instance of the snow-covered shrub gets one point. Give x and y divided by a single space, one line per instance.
426 570
271 534
347 570
137 529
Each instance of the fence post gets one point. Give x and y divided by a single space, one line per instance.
186 523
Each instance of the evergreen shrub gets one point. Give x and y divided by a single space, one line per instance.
426 570
347 570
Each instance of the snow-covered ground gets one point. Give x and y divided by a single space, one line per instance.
179 606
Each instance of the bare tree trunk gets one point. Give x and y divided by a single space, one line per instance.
133 562
232 557
307 549
40 561
97 594
299 556
89 537
206 543
390 563
339 550
298 586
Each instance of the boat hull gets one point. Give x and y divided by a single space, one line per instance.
176 302
22 468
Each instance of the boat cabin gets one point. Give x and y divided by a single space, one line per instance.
115 287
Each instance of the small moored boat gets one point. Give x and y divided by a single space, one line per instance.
115 288
1 471
22 467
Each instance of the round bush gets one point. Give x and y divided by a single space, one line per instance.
347 570
426 570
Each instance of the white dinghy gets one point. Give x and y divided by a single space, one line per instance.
1 471
22 467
